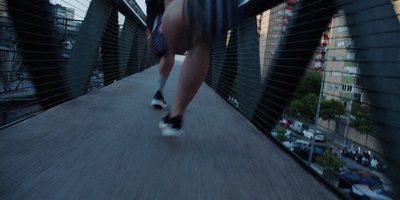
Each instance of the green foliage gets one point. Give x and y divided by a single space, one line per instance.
281 133
362 118
235 87
310 83
307 106
330 163
331 109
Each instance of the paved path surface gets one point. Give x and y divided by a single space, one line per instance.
106 145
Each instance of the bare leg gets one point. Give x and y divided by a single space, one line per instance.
193 72
166 63
195 66
194 69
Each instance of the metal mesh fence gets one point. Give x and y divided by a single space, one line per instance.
327 71
55 51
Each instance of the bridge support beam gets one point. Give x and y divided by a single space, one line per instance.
248 75
293 55
375 27
86 49
40 48
110 48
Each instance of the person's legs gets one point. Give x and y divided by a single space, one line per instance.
193 72
194 68
166 64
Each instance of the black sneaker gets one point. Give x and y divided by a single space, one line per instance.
171 126
158 100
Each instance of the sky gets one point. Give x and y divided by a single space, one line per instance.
81 6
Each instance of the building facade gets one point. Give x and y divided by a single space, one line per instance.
272 25
64 18
341 66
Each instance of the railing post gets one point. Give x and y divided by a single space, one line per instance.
110 48
87 45
126 43
378 44
248 73
133 60
39 45
292 57
217 65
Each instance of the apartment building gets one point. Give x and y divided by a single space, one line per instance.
271 27
341 66
64 18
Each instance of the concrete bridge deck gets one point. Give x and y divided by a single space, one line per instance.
106 145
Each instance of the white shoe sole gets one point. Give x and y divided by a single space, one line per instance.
158 103
169 131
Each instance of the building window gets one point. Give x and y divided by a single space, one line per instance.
342 29
347 88
337 58
350 71
350 42
341 43
333 87
336 73
350 56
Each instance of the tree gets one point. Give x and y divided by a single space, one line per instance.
361 119
280 133
310 83
10 65
307 106
329 163
331 110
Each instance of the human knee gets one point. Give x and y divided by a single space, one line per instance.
174 27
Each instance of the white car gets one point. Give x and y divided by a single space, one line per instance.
310 133
298 126
298 143
362 191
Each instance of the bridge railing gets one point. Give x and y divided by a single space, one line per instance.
51 53
330 65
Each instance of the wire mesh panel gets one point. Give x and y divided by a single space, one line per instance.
55 51
320 76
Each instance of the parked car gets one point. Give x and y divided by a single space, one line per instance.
310 133
356 176
303 151
298 127
295 144
285 123
362 191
